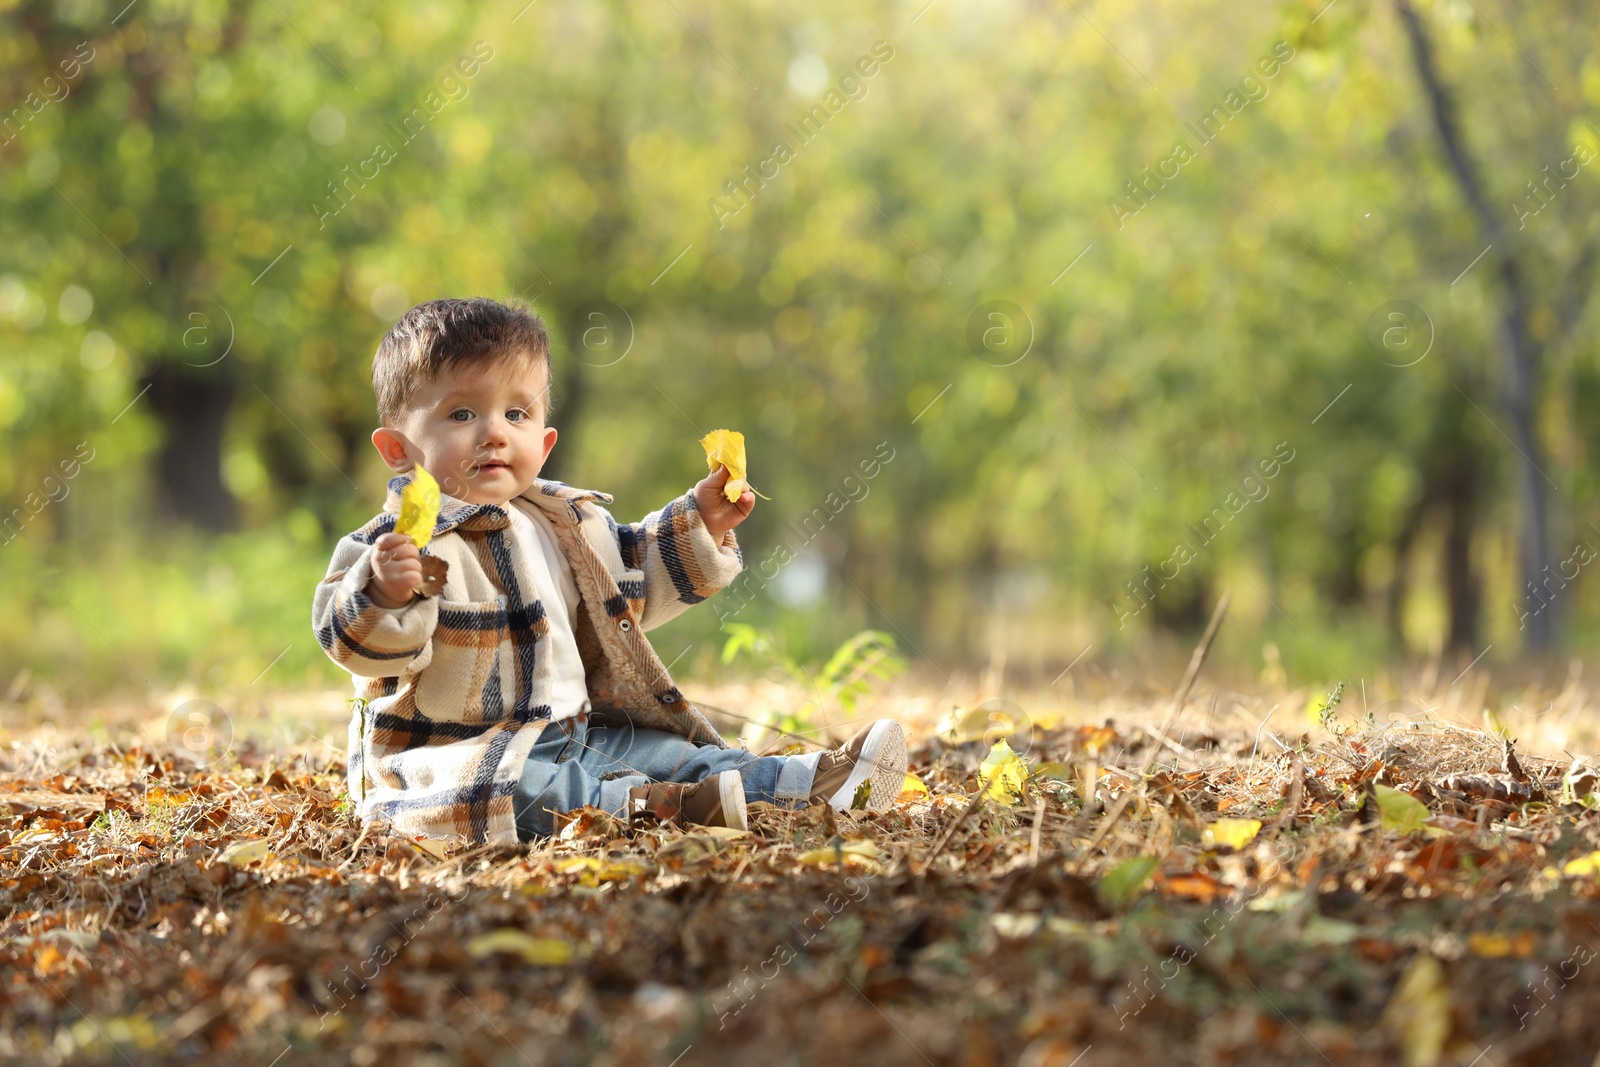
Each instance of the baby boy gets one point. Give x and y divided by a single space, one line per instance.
526 686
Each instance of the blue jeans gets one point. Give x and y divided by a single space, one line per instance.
577 763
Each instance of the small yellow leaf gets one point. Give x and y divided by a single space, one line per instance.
1056 770
1582 867
419 508
594 870
38 833
1003 774
543 951
1230 833
431 846
1418 1014
49 959
723 833
156 797
862 853
1492 946
241 853
987 722
913 788
725 448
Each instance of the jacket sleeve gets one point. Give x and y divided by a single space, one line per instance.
360 635
682 564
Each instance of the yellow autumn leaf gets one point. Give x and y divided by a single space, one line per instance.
725 448
913 788
156 797
1418 1015
593 870
1495 945
419 508
861 853
1230 833
546 951
1002 774
985 722
430 846
241 853
38 833
722 833
49 960
1583 867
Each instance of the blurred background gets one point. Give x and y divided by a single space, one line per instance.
1046 323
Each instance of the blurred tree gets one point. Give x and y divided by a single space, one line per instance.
204 226
1523 353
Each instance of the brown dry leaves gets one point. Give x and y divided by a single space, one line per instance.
1240 911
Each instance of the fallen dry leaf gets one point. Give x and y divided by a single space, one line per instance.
539 951
243 853
1418 1015
1230 833
1003 774
913 789
1493 945
861 853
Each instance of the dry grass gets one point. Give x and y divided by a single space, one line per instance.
154 911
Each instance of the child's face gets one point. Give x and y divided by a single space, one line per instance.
479 430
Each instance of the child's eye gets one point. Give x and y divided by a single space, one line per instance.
461 415
516 415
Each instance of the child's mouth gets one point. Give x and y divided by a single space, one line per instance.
492 466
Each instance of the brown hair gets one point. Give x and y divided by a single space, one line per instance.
443 334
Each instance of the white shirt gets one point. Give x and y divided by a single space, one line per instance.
554 586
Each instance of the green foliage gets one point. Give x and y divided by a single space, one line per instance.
175 204
1328 713
849 672
1119 887
214 612
847 675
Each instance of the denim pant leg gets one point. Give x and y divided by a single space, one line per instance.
668 757
566 772
552 781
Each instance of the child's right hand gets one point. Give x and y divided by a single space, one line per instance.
396 570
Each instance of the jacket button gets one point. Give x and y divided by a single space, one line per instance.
624 625
669 698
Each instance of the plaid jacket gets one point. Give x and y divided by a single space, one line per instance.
452 689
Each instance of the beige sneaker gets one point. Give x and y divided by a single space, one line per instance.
867 773
716 801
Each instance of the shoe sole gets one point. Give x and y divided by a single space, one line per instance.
884 760
730 794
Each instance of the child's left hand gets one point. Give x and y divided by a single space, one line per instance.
719 513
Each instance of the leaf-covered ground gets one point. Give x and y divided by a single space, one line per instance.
1127 909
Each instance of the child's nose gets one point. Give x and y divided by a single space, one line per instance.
494 430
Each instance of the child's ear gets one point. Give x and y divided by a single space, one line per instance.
549 443
394 448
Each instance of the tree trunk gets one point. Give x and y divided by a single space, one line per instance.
1520 350
1459 498
1452 475
567 389
193 408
